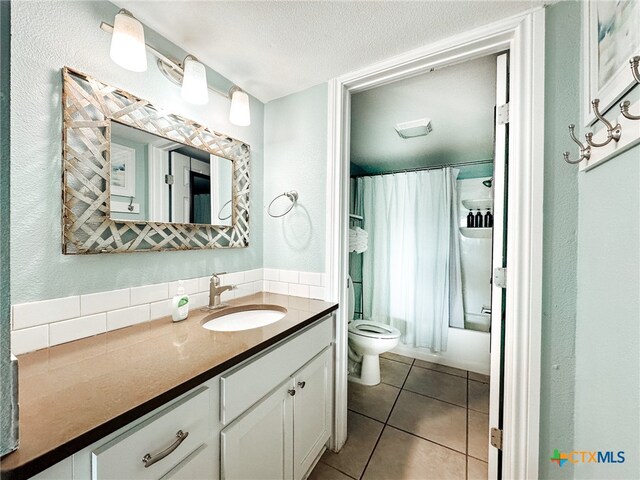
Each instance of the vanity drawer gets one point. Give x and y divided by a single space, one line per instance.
157 437
245 385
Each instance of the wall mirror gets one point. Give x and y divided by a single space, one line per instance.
154 179
136 178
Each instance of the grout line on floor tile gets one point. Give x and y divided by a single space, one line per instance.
335 468
426 439
440 371
372 452
365 415
435 398
466 449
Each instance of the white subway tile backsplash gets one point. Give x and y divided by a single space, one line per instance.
227 295
161 309
299 290
29 339
289 276
69 330
253 275
317 292
312 279
127 317
191 285
49 322
248 288
199 300
234 278
271 274
279 287
149 293
104 301
204 284
27 315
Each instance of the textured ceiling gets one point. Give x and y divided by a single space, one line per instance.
275 48
459 100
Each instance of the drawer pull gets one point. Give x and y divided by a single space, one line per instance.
149 460
291 391
302 384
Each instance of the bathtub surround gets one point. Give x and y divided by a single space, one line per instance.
39 51
475 253
46 323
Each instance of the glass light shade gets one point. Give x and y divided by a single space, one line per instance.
239 114
127 43
194 82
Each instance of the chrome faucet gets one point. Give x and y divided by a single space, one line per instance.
215 290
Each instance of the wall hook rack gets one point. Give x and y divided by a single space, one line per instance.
585 151
624 106
634 63
613 132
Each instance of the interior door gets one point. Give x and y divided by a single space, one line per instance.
180 196
499 258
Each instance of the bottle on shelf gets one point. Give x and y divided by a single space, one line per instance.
470 219
478 223
488 219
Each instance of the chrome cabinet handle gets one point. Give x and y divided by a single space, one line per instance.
302 384
291 391
149 460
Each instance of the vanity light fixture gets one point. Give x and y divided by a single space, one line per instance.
127 44
194 82
190 76
239 112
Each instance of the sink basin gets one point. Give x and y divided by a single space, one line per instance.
244 317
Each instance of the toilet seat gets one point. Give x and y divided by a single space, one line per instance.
366 328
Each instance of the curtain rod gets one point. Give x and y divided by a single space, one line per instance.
420 169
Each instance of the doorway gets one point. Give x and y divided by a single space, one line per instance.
523 37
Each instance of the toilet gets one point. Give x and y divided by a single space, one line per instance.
368 340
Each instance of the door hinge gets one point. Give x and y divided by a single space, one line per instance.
168 179
500 277
503 114
496 438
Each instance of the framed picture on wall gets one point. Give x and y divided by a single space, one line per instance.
123 170
611 38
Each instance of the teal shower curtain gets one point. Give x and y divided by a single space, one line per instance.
411 270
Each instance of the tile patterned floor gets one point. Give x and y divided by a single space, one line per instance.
424 421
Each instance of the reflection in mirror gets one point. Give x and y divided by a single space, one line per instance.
154 179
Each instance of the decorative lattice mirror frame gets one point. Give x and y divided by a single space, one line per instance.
88 107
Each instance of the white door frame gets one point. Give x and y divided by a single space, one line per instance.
523 36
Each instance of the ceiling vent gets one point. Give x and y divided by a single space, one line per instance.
414 128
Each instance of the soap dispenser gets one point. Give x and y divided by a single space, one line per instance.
180 304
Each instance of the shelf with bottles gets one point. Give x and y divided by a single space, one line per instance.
479 203
476 232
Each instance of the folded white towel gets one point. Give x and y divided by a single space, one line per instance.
358 240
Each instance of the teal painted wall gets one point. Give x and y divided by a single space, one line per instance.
47 36
607 384
6 384
560 224
295 157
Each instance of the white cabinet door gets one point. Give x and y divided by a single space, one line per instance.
259 444
312 411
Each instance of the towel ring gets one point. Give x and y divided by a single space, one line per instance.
222 208
291 195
